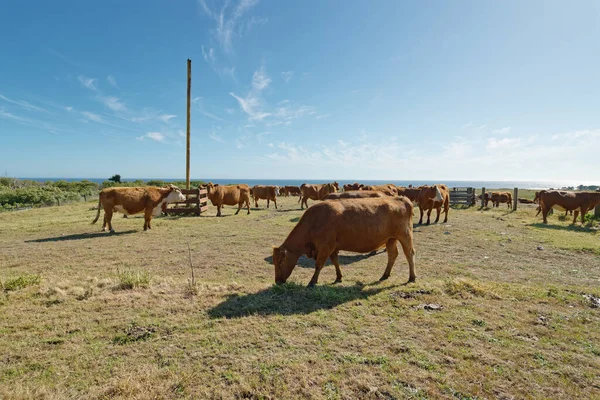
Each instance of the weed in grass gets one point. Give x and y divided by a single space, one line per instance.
134 333
478 322
130 279
466 288
20 282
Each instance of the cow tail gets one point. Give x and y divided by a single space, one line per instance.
98 213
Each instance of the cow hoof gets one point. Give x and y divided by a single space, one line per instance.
112 231
412 279
311 285
428 223
383 278
337 281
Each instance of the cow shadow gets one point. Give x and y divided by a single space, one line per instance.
305 262
292 299
572 228
79 236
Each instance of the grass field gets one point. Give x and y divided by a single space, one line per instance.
503 307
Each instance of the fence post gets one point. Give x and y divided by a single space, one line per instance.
198 201
482 197
597 211
515 199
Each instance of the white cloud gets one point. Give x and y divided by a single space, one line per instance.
216 137
111 79
113 103
88 83
140 137
166 117
230 111
287 75
251 106
502 131
23 104
69 109
229 21
321 116
159 137
91 116
494 143
260 79
209 56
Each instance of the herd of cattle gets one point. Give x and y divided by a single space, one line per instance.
360 219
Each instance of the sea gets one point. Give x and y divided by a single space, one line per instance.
297 182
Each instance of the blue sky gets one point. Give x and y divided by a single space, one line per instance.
463 90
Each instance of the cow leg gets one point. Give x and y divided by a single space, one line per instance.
583 211
303 202
275 202
108 218
240 204
248 205
322 257
218 210
446 209
421 212
409 251
147 218
438 210
255 202
545 211
338 272
539 210
429 216
392 250
105 222
267 203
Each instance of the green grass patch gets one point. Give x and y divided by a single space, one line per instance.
20 282
131 279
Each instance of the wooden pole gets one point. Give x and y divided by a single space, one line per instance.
597 211
187 148
515 199
482 197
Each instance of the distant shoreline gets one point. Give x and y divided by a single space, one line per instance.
297 182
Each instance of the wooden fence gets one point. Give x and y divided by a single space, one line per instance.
462 195
196 203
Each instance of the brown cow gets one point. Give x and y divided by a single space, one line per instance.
410 192
500 197
133 200
315 192
229 196
293 190
269 193
555 207
354 186
358 225
576 201
431 197
389 189
354 194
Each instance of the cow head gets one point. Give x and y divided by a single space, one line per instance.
174 195
284 263
336 185
276 190
434 193
210 187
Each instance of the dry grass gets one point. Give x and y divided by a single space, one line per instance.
513 321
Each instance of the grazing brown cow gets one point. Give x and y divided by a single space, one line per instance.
354 194
525 201
354 186
358 225
315 192
293 190
410 192
554 207
576 201
500 197
269 193
133 200
431 197
389 189
229 196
